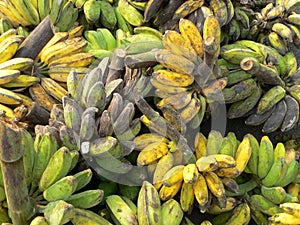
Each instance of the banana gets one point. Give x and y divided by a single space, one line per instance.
178 63
211 28
130 14
256 119
9 97
275 172
214 184
241 215
88 128
201 192
39 220
57 167
164 164
44 148
230 184
291 63
284 218
43 8
28 156
253 160
283 31
186 8
121 212
75 60
192 35
58 212
148 204
83 178
276 118
190 173
53 88
200 144
109 38
9 47
177 44
173 176
257 216
178 101
220 10
236 55
264 205
57 37
83 216
28 11
236 76
292 114
171 212
291 208
151 153
21 81
291 174
242 107
270 98
141 141
191 110
206 164
227 147
277 42
63 48
61 189
92 10
274 194
265 157
187 197
7 75
16 64
213 142
107 15
243 154
168 192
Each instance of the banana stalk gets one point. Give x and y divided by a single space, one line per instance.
11 156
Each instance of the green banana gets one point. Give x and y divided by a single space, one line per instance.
274 194
107 15
61 189
86 199
83 178
149 206
120 211
171 212
265 157
58 167
58 212
270 98
264 205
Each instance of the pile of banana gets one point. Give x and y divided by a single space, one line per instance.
262 85
29 13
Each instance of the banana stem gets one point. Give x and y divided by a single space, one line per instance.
262 72
210 48
11 155
37 39
116 67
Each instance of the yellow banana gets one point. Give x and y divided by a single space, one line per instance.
74 60
173 78
243 154
53 88
173 176
201 192
164 164
143 140
191 34
214 184
177 44
211 28
152 152
190 173
168 192
200 145
187 197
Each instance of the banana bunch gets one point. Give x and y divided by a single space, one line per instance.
147 210
277 24
187 77
13 71
102 117
261 84
239 26
274 166
30 12
101 42
63 53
